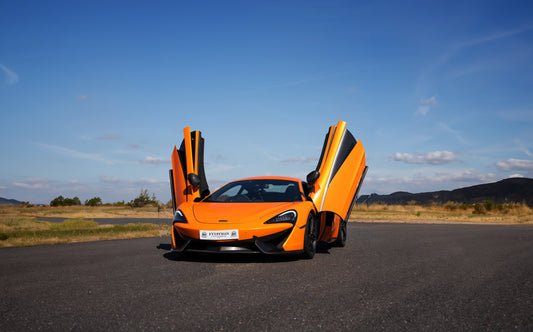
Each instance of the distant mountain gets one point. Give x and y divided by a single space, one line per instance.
504 191
5 201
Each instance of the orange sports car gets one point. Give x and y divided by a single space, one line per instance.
270 214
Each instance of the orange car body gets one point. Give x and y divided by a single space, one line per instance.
266 214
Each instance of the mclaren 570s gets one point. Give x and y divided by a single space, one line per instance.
269 214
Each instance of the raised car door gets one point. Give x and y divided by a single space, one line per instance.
340 172
187 176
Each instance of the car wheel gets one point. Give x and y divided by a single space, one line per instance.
341 237
310 237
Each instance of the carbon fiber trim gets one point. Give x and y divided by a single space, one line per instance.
270 244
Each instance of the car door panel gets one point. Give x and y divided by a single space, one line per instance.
189 158
341 169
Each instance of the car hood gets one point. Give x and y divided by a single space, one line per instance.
238 213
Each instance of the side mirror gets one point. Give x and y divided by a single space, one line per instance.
312 177
194 179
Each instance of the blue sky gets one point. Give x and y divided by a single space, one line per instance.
95 94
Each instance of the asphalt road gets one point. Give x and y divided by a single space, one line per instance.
388 277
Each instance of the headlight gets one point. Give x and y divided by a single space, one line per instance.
179 217
287 216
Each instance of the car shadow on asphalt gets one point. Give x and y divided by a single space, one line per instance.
213 257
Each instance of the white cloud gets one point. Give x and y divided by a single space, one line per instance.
78 154
155 161
468 175
426 104
424 183
10 77
83 97
430 101
27 185
108 179
300 160
33 183
146 181
495 36
426 78
455 133
515 165
270 156
422 110
523 146
133 146
431 158
108 137
141 181
41 190
517 115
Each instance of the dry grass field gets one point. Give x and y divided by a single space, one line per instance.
82 211
20 226
482 213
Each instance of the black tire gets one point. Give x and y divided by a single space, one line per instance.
310 237
341 237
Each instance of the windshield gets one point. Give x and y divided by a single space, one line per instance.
261 190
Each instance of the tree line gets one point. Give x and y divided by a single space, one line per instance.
144 199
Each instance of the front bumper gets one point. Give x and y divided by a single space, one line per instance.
269 244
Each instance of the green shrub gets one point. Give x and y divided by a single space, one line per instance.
58 201
72 224
450 206
62 201
95 201
478 209
488 205
144 199
464 206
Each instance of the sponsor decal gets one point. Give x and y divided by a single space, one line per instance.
230 234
